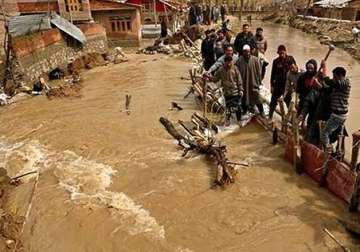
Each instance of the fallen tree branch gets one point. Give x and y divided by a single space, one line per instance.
200 143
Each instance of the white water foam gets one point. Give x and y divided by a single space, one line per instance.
87 182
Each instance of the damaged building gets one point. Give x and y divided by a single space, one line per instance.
337 9
42 42
121 20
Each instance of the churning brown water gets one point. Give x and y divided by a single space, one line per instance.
116 182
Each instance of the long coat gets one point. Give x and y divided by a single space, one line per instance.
250 70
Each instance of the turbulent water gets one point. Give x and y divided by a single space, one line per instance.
116 182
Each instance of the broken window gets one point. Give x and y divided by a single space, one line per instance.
73 5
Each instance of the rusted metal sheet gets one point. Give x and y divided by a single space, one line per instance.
23 25
340 179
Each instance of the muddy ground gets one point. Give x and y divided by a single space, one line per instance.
116 182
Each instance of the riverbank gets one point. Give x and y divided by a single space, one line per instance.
328 31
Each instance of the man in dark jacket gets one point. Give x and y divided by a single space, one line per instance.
223 11
164 31
306 82
244 38
280 69
192 15
208 50
339 102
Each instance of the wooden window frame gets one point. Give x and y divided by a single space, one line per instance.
74 6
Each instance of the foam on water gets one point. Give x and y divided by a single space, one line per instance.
87 181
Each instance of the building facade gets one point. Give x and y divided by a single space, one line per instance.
122 21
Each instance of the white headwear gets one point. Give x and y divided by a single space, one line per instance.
246 48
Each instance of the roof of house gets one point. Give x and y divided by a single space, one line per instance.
23 25
171 4
332 3
98 5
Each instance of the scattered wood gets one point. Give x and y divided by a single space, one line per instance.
345 249
194 138
22 175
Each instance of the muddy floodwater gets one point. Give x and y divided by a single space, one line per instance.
116 182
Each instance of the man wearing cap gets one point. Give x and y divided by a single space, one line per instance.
208 50
280 69
231 83
250 70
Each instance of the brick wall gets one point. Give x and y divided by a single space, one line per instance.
83 15
41 52
124 38
10 6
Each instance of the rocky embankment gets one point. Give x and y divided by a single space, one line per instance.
329 31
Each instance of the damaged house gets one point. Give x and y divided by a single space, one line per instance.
121 20
43 42
46 34
337 9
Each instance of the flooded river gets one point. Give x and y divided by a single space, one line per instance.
116 182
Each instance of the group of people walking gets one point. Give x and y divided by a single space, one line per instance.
206 14
240 69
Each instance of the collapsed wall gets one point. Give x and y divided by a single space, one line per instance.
38 53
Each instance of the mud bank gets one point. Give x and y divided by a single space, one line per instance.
328 31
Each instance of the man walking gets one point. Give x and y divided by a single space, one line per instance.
220 62
280 69
208 50
231 84
250 70
244 38
261 42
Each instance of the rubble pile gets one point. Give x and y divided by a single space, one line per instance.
10 223
66 77
184 42
64 91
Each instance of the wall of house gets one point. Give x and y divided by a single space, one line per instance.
118 36
41 52
335 13
37 7
349 14
83 15
148 14
10 6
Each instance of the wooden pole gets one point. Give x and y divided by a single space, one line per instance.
355 150
155 16
205 97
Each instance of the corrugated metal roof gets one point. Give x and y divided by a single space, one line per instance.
21 25
68 28
332 3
